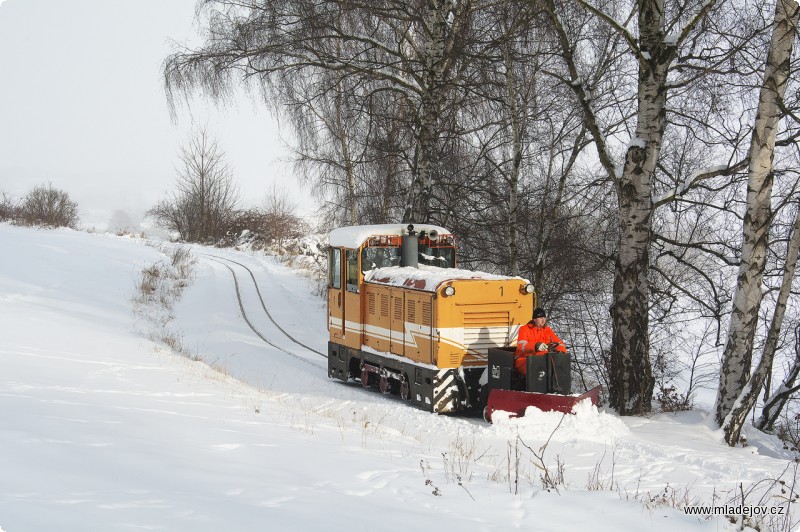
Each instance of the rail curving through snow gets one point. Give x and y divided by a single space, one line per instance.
223 260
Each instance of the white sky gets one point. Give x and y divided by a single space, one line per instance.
82 106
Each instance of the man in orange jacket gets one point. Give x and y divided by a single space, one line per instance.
534 339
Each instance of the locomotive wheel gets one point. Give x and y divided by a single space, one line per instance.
364 377
384 385
405 390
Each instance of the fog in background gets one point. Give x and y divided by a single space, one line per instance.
82 106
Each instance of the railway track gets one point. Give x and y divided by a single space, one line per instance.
226 263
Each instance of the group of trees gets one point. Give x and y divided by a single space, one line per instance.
628 156
205 207
43 205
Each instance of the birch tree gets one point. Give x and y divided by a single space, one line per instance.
330 131
410 49
735 397
525 138
653 41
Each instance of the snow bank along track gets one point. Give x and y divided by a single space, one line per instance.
224 261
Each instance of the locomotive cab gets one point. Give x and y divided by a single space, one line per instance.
403 318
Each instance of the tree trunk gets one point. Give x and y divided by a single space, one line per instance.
347 160
737 356
517 148
631 375
732 426
631 380
438 21
775 403
418 203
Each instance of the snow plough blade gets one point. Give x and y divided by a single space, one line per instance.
516 402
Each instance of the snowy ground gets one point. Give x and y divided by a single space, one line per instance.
103 429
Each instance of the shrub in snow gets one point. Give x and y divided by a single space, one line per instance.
8 207
157 288
45 205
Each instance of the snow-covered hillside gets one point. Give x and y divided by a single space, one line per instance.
103 429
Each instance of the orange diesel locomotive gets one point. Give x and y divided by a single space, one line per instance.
403 318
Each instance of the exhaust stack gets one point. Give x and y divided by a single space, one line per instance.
409 249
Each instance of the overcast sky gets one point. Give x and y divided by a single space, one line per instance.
82 106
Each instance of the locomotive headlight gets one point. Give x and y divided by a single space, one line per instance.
449 291
527 289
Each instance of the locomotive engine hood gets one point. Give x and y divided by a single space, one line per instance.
428 278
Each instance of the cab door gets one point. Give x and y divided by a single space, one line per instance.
336 325
351 313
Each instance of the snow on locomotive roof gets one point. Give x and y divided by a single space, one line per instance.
426 277
352 237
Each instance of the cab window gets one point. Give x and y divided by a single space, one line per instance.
443 257
372 258
335 268
352 270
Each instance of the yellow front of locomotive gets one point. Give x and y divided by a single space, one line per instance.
471 315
